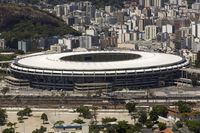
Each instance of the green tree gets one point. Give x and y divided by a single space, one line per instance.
108 119
136 128
142 117
27 111
134 116
78 121
58 123
111 129
183 107
44 117
19 52
153 115
3 116
20 119
93 128
84 112
21 114
12 125
193 125
122 126
179 124
162 126
131 107
94 113
8 130
158 110
7 57
149 123
41 130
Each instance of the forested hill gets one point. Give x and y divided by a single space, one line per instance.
17 22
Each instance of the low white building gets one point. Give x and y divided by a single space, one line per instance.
58 48
169 121
69 42
91 32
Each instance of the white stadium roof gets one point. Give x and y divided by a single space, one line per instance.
53 61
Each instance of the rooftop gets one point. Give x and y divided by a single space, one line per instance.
55 62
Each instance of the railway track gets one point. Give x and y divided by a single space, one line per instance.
73 102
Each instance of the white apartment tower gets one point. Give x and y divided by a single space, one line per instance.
158 3
150 32
195 29
198 30
85 42
167 28
59 9
149 3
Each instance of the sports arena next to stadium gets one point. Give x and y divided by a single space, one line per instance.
83 71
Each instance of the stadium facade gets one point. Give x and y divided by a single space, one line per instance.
83 71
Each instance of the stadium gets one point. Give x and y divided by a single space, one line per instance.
93 70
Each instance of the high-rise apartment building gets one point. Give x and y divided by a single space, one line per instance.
158 3
195 29
59 9
168 28
198 30
150 32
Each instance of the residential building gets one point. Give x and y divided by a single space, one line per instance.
25 45
151 32
2 43
58 48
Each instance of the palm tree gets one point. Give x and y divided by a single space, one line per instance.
12 125
94 113
44 117
3 116
62 95
134 116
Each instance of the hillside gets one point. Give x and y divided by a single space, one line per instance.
18 23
